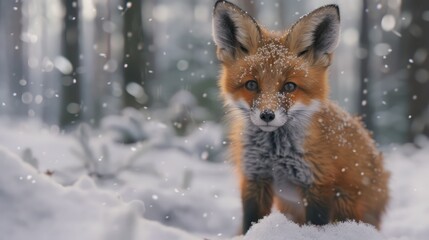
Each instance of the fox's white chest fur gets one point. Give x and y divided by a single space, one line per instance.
278 155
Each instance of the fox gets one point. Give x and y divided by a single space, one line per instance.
293 148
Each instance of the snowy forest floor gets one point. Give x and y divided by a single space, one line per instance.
86 185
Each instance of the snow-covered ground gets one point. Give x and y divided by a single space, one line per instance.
88 185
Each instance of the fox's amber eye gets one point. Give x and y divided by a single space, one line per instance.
251 85
289 87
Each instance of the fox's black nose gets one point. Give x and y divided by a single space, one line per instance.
267 115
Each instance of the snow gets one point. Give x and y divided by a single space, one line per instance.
278 227
35 207
163 186
409 206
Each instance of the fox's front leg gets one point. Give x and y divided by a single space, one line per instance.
319 205
257 200
257 179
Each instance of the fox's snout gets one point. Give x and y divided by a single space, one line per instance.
269 110
267 115
268 119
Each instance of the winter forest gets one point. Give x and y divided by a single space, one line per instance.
112 127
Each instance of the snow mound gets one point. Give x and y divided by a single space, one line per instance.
33 206
277 227
407 214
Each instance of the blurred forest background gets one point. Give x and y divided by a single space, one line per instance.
66 62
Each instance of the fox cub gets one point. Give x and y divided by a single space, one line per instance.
293 147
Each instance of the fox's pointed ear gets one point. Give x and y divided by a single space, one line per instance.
235 33
315 35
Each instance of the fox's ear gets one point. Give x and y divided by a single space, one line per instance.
235 33
315 35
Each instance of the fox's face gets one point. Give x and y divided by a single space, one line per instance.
274 77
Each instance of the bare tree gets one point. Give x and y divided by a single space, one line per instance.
134 95
415 50
70 106
149 68
365 106
12 15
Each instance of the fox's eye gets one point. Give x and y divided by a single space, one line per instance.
251 85
289 87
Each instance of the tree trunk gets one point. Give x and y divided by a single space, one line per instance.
149 68
70 106
14 50
415 42
134 95
364 105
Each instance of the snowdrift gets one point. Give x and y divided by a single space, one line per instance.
34 207
277 227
